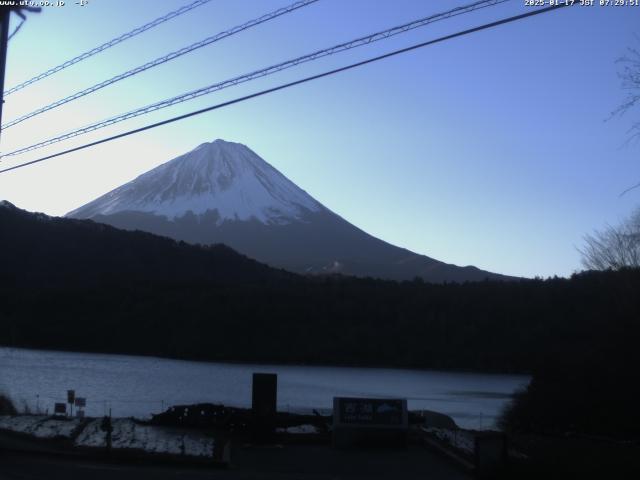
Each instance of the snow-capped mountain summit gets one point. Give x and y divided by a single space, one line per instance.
222 176
222 192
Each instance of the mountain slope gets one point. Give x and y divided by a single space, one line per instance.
222 175
222 192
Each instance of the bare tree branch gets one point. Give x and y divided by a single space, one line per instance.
614 247
629 76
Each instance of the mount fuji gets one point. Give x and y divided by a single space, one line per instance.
223 192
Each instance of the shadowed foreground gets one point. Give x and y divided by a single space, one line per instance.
313 462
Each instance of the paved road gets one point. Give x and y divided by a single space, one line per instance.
267 463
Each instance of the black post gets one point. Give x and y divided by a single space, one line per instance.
107 426
263 406
5 12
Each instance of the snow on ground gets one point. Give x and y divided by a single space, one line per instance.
91 435
21 424
460 439
128 434
40 426
52 428
298 429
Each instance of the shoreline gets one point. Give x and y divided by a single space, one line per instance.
274 364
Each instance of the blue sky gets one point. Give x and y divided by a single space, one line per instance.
490 149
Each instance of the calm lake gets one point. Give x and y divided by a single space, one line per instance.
140 386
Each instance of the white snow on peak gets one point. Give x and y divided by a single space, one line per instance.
224 176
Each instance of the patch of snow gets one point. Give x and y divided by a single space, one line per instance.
198 446
20 424
52 428
460 439
128 434
40 426
91 435
299 429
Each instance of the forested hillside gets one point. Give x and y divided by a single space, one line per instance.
78 285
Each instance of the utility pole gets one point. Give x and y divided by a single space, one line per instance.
5 12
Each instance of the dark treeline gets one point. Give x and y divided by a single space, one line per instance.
485 326
78 285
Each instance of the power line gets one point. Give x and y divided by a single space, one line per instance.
109 44
294 83
260 73
164 59
5 13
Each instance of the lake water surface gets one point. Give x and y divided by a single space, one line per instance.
140 386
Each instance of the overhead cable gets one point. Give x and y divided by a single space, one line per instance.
109 44
294 83
164 59
358 42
